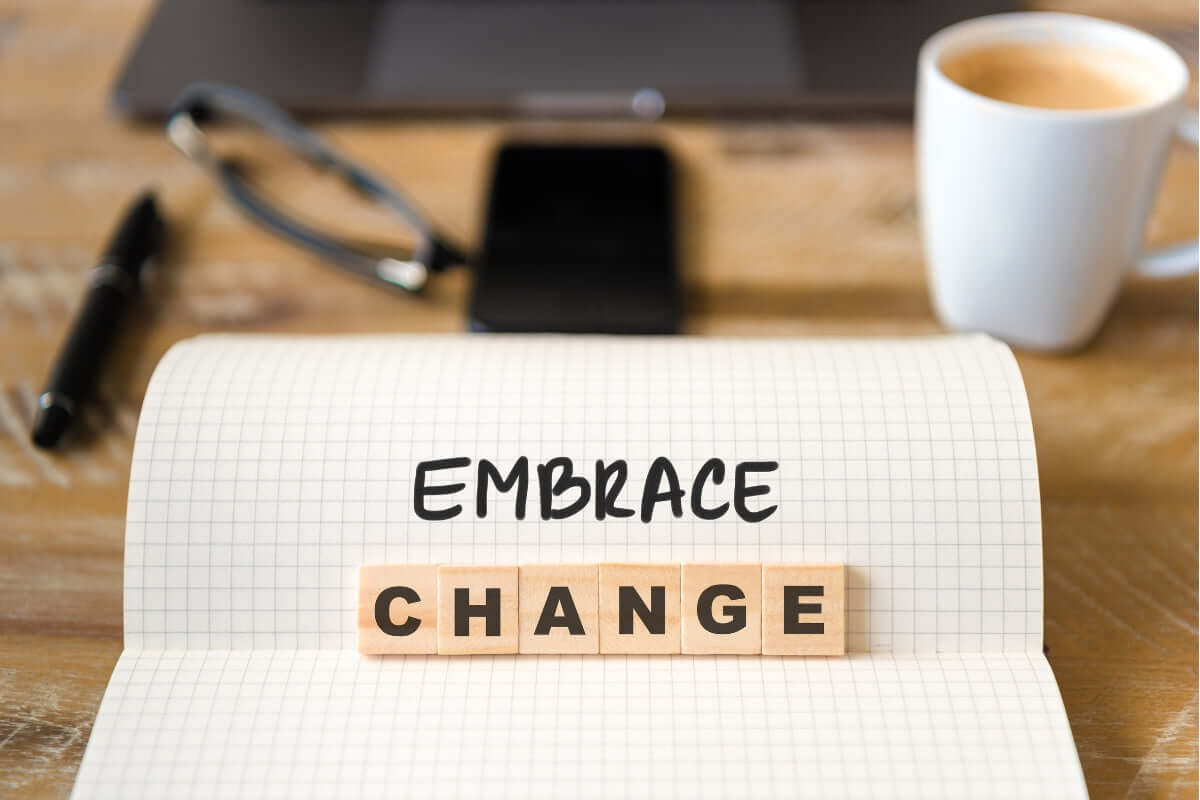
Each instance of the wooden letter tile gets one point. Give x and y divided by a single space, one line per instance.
633 596
559 608
804 609
397 609
477 606
722 608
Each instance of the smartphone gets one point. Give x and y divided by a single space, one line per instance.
578 239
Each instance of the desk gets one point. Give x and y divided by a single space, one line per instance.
788 228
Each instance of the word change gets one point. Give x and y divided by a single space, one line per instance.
722 608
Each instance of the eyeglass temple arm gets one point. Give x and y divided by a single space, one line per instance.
409 275
201 99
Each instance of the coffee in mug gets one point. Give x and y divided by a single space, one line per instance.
1041 143
1053 75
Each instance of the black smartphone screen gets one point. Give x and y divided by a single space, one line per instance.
579 239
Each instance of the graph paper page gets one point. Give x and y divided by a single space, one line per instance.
267 469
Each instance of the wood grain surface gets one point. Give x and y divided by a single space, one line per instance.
789 227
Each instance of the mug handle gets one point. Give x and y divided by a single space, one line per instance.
1176 259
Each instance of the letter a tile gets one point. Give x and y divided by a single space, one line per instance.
477 606
559 608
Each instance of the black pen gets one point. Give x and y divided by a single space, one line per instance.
113 289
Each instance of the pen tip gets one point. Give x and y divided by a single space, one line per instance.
49 425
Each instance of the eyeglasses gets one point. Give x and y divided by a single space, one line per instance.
200 103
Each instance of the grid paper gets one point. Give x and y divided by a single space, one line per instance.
266 469
329 723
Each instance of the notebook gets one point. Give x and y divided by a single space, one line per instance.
268 468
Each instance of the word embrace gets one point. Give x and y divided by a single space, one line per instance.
722 608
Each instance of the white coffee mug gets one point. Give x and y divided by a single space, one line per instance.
1032 217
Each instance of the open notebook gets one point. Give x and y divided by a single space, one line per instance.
267 469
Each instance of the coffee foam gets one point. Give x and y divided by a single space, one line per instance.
1054 74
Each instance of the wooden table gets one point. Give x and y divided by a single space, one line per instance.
788 227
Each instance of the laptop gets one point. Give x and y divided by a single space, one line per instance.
638 58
